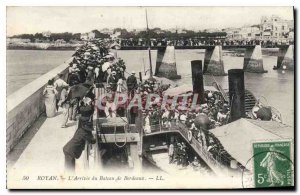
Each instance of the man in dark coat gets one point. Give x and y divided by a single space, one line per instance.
131 84
73 149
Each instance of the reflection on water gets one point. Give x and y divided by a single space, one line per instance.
23 66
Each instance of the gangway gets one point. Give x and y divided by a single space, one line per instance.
215 165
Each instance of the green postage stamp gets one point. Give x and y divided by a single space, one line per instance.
273 164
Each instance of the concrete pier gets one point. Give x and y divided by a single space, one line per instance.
253 61
26 105
285 60
166 63
213 61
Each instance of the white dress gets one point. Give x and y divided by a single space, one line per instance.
147 127
120 86
50 100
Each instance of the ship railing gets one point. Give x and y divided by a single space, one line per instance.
179 126
200 149
196 145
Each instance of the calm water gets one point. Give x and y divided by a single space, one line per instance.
23 66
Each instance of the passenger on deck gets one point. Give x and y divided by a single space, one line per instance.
110 108
90 74
196 164
177 150
182 116
166 119
171 153
147 127
184 155
120 87
112 81
131 84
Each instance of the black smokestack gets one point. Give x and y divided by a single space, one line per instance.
197 79
236 93
140 76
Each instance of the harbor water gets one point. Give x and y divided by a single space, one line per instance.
24 66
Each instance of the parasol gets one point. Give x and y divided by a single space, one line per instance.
79 90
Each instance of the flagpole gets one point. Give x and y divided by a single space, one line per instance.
149 48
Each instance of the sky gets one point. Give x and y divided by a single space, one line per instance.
84 19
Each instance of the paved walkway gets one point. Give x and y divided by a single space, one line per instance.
43 155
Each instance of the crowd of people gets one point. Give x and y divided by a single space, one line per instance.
215 108
179 156
198 42
94 65
215 112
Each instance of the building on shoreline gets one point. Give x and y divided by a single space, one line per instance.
244 33
271 28
275 28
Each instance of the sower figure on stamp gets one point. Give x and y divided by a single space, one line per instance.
73 149
269 161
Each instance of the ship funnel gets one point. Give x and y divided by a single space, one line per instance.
236 93
140 76
197 80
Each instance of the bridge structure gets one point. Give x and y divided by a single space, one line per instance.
213 58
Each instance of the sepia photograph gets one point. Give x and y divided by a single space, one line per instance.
144 97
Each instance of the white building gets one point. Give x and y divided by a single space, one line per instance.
245 33
87 36
46 34
276 28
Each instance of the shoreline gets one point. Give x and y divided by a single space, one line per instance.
61 48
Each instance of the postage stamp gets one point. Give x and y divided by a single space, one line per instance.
272 163
149 97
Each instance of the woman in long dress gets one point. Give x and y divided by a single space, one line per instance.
50 99
147 127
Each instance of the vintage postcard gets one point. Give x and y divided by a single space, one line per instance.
150 97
